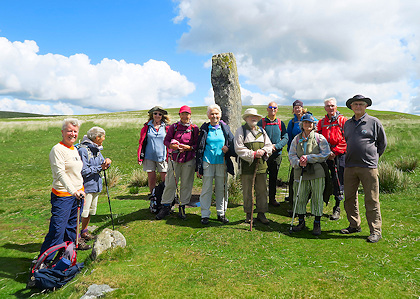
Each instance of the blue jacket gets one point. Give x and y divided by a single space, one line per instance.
92 160
202 137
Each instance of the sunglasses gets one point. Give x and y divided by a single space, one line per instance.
157 113
272 107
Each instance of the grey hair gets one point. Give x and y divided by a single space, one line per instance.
75 122
95 132
214 106
330 100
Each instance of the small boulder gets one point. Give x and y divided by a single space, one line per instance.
97 291
107 239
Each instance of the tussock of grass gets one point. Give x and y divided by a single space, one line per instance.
113 176
391 179
406 164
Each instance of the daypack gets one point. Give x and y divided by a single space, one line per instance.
264 123
54 274
156 198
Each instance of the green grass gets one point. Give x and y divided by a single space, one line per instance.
174 258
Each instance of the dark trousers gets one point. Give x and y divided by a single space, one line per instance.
63 222
337 177
273 166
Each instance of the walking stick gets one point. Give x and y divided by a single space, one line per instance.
340 192
252 194
295 202
109 201
225 194
79 205
176 183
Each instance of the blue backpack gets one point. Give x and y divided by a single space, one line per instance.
54 274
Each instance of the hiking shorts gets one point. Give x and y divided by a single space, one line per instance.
150 166
91 202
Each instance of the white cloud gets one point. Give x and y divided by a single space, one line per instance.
314 49
108 85
47 108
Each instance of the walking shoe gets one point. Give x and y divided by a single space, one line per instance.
373 238
163 212
181 213
88 236
222 218
336 214
261 217
82 245
299 227
248 218
351 230
205 220
317 229
274 203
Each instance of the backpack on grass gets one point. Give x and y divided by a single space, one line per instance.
62 268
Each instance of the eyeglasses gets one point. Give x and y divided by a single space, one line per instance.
272 107
358 104
157 113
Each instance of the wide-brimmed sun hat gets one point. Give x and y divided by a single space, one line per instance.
358 97
158 108
249 112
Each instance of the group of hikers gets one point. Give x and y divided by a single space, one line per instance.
345 149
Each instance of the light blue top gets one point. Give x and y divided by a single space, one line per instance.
155 149
213 153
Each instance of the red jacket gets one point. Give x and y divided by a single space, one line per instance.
333 132
142 142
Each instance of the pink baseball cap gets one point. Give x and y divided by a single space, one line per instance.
185 108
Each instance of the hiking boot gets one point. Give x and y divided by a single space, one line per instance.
317 229
222 218
336 214
373 238
82 245
163 212
274 203
299 227
351 230
261 217
205 220
248 218
30 284
88 236
181 213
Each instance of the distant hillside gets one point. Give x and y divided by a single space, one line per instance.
10 114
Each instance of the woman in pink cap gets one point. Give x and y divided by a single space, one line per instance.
181 141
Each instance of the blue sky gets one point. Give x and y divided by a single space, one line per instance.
77 57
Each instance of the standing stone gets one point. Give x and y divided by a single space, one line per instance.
227 92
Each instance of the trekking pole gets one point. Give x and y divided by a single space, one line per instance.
109 201
225 189
79 205
252 194
295 202
176 183
338 179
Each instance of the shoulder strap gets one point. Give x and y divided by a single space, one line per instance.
264 123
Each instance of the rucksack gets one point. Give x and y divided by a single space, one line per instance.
80 145
264 123
156 198
54 274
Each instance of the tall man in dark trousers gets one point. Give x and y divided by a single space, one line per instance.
366 142
276 131
332 128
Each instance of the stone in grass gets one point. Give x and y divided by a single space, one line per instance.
97 291
107 239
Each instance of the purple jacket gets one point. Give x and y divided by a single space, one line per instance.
185 135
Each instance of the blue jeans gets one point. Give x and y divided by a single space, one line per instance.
63 222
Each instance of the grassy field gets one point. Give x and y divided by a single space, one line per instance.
175 258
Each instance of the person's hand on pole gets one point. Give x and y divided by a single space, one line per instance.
303 161
106 163
79 194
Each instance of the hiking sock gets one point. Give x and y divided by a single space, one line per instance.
301 218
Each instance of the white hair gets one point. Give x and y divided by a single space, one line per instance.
330 100
95 132
214 106
75 122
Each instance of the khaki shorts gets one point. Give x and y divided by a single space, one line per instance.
150 166
91 202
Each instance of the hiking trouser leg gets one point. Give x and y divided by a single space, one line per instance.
187 181
206 190
317 200
351 203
